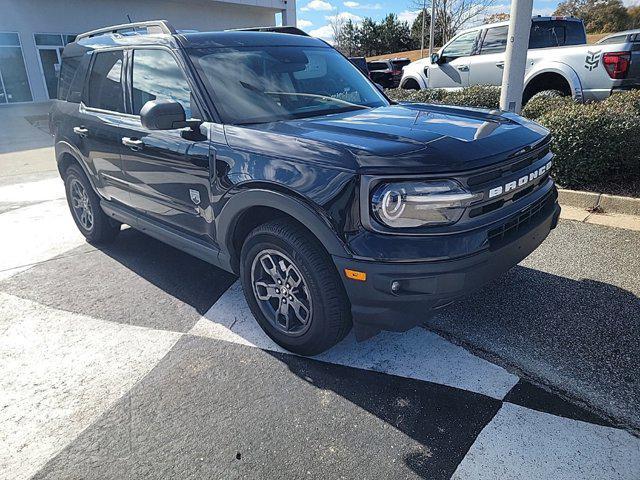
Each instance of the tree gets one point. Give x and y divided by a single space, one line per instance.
416 31
350 39
496 17
453 15
337 23
634 16
599 16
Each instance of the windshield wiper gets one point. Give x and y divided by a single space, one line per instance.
321 97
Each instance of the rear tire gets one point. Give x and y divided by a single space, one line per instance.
546 94
293 288
85 208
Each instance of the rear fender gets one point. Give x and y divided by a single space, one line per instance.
567 72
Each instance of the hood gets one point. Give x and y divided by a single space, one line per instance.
398 138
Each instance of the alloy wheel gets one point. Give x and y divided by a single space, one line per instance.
81 204
281 292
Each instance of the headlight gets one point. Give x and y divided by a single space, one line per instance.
417 204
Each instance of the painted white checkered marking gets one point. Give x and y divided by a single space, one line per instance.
60 372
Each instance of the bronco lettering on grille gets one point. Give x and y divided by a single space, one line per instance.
506 188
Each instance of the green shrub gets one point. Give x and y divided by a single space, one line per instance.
538 106
418 96
595 144
480 96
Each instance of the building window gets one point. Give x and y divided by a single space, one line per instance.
14 83
50 47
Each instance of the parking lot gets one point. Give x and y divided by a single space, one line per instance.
136 360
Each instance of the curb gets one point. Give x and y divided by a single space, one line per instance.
607 203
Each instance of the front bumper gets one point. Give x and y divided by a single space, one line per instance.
426 286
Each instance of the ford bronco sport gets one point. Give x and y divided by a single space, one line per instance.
271 156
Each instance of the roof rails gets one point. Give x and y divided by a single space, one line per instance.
283 29
152 26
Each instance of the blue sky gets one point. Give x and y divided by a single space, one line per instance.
314 15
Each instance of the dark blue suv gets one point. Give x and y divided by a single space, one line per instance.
271 156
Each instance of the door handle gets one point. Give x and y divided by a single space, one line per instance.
500 64
463 68
80 131
133 143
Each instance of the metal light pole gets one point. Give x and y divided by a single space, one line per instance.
516 55
424 19
432 27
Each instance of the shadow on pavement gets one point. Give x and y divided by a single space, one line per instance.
577 336
136 280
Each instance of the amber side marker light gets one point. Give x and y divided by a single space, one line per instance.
355 275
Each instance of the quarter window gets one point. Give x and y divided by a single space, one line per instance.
157 75
105 82
495 41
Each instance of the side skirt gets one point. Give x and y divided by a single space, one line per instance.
168 235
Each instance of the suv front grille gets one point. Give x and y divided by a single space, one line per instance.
507 231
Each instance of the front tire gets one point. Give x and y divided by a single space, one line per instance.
293 288
85 208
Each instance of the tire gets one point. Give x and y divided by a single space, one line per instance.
85 208
546 94
315 284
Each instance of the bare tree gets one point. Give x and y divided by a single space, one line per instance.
453 15
337 23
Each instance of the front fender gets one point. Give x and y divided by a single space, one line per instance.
240 202
562 69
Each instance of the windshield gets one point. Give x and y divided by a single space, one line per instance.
266 84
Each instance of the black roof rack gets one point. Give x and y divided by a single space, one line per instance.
283 29
152 26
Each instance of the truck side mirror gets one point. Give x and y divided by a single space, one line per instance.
165 115
435 58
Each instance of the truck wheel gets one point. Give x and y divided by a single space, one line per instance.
546 94
85 208
293 288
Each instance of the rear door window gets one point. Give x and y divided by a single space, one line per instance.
377 66
495 40
105 82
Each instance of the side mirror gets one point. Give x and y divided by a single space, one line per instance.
165 115
435 58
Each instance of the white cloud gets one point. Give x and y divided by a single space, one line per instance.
344 16
326 32
318 5
408 16
304 23
351 4
371 6
543 12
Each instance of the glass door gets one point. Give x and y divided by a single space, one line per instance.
50 64
50 47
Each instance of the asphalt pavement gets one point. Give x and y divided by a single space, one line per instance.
136 360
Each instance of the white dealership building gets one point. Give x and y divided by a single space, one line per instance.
34 32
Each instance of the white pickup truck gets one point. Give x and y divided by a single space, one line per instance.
558 60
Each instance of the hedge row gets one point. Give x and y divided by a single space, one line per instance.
597 145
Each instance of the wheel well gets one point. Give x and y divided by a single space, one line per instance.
66 160
546 81
250 219
410 84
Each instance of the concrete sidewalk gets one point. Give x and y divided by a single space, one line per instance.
26 148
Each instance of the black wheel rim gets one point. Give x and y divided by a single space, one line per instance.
281 292
81 204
